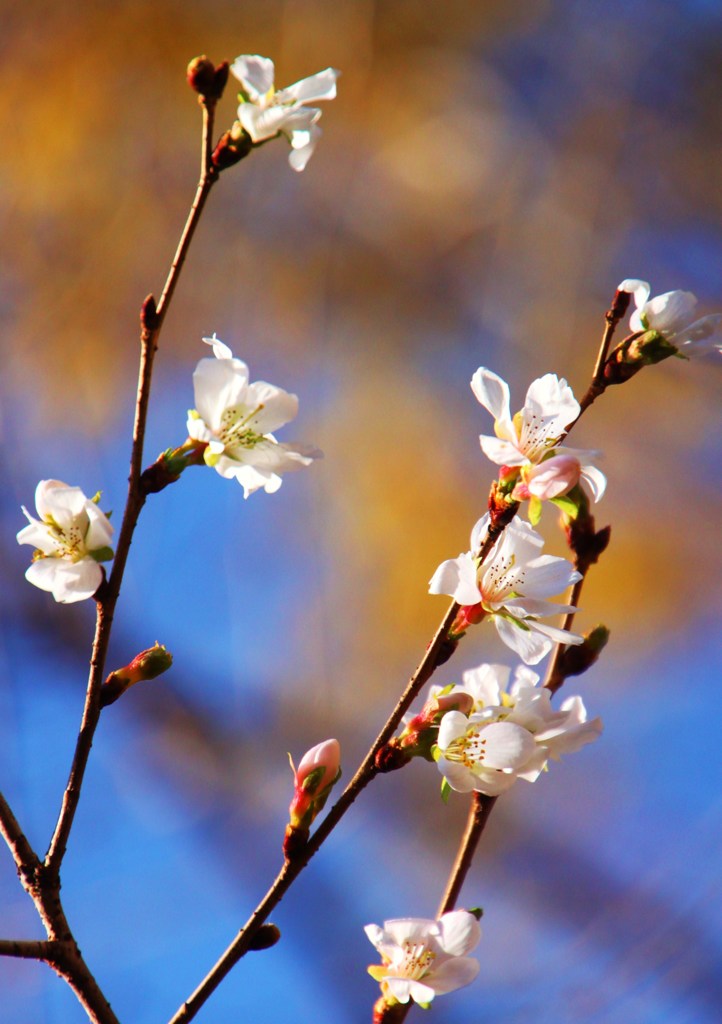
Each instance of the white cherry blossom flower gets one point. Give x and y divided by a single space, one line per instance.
266 111
423 958
511 588
475 753
530 439
235 419
671 315
70 538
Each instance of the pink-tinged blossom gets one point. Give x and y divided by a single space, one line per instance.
671 315
235 419
511 587
423 958
510 734
266 111
70 538
530 439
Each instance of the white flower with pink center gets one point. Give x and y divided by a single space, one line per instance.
530 438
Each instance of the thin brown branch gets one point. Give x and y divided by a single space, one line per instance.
23 854
29 949
479 811
555 676
152 321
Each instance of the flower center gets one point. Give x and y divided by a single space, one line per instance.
70 542
235 431
417 961
497 581
469 750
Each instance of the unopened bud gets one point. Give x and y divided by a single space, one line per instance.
149 315
232 146
577 659
147 665
636 352
169 465
266 936
318 770
206 79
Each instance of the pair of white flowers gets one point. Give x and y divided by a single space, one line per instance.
233 423
509 732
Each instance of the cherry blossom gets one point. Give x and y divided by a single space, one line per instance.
509 734
671 315
235 417
265 112
529 440
510 587
423 958
70 538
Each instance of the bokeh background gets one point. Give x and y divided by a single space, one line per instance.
489 172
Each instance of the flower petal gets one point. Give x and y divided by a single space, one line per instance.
255 74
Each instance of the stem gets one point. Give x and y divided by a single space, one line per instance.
479 811
107 598
42 880
555 677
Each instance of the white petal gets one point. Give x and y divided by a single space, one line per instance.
66 505
550 397
531 647
639 289
669 312
453 974
493 393
459 932
254 73
220 349
459 777
321 86
478 533
596 479
700 337
218 384
262 123
100 532
38 535
274 407
501 453
67 581
485 683
452 725
457 578
508 746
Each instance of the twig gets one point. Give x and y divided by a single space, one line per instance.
479 811
42 880
555 676
152 321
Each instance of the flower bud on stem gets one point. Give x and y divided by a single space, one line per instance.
147 665
318 770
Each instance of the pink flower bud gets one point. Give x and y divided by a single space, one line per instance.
317 771
553 477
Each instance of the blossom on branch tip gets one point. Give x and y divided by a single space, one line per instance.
265 111
510 587
70 538
423 958
235 418
510 734
529 440
670 315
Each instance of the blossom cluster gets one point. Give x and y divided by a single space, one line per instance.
507 734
